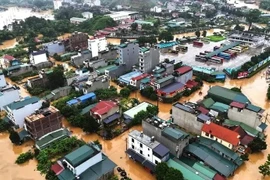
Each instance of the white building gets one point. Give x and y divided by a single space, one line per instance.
146 149
8 95
92 2
122 15
87 15
156 9
96 45
149 58
57 4
76 20
37 57
18 110
3 82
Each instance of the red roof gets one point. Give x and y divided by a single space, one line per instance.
183 69
219 177
56 168
110 29
139 77
103 107
203 110
8 57
105 32
221 133
237 104
191 84
246 139
240 131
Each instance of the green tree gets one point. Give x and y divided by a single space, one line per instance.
245 157
253 16
264 169
14 137
198 34
236 89
24 157
4 126
239 28
56 77
149 92
89 124
257 145
204 33
173 174
125 92
134 26
165 35
161 170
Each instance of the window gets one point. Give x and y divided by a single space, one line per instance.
132 140
148 155
132 146
141 145
211 136
156 162
207 134
148 149
141 151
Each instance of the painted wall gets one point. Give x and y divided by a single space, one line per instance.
90 162
185 77
2 81
224 143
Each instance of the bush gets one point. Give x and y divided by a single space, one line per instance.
24 157
4 126
125 92
149 93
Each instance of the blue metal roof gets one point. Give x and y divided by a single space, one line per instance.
112 118
203 117
161 150
127 77
72 102
87 96
184 108
172 87
216 52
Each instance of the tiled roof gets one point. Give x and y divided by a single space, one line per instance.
237 104
183 69
8 57
103 107
56 168
221 133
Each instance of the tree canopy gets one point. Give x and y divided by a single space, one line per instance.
56 77
163 172
125 92
264 169
257 145
253 16
165 35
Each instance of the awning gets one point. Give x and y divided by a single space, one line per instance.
149 165
263 126
135 156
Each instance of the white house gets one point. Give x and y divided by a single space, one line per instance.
145 149
37 57
18 110
157 9
87 15
97 44
122 15
57 4
76 20
8 95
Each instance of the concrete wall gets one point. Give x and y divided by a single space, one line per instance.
186 120
116 72
129 55
111 112
166 83
185 77
151 130
98 63
150 60
78 60
90 162
246 116
108 55
224 143
2 80
96 85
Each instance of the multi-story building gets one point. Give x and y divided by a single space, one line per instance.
43 121
224 136
172 137
83 55
188 118
8 95
77 41
38 57
136 81
148 59
183 74
123 15
3 82
55 47
146 150
18 110
128 54
85 163
97 44
247 37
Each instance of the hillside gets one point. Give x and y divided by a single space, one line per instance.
136 4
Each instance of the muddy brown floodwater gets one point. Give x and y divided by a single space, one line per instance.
255 88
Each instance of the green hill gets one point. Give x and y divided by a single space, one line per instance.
136 4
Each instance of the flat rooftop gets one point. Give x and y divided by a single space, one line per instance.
41 114
144 139
127 77
115 14
172 87
133 111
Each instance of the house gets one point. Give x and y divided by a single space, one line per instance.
76 20
129 114
39 81
77 41
146 150
105 112
156 9
172 137
87 15
37 57
183 74
19 109
97 44
9 61
249 114
83 55
189 117
92 2
55 47
43 121
122 15
85 163
148 59
224 136
126 78
136 81
3 82
128 54
100 82
8 94
162 82
82 99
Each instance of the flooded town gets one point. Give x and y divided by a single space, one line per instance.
109 90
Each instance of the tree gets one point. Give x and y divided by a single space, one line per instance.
125 92
253 16
14 137
245 157
239 28
264 169
257 145
161 170
56 78
204 33
173 174
134 26
198 34
236 89
89 124
149 92
165 35
4 126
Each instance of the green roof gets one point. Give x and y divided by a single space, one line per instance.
23 134
1 72
22 103
80 155
205 170
144 49
87 109
176 134
224 95
208 102
159 81
123 45
102 69
218 73
253 108
161 70
220 107
188 172
145 80
247 128
49 138
233 44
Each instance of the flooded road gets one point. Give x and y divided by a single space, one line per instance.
8 44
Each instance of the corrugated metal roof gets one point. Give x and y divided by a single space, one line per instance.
176 134
22 103
208 102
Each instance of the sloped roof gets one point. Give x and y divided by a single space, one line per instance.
208 102
22 103
221 133
183 70
8 57
220 107
103 107
237 105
